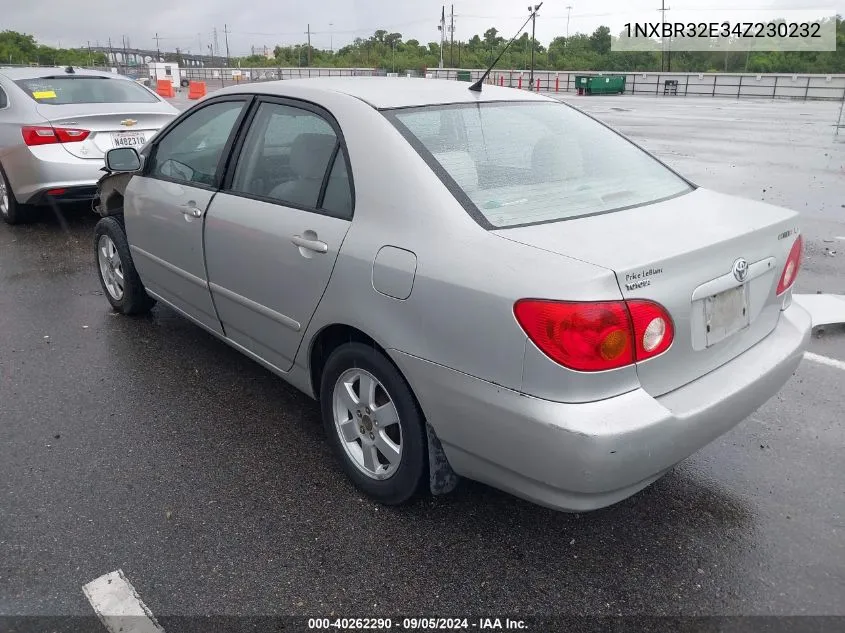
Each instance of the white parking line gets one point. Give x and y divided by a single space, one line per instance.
119 606
824 360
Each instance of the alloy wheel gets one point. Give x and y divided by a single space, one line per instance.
367 422
111 268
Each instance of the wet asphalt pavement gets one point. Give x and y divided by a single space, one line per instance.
147 445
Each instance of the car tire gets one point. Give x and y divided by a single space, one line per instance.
116 270
12 211
392 481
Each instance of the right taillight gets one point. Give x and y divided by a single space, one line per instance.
790 269
596 336
46 135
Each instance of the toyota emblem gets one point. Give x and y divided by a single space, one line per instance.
740 269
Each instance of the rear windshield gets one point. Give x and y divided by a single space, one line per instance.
64 90
524 163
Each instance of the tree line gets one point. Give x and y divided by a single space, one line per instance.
389 51
22 49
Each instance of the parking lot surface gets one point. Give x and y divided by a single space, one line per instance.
144 444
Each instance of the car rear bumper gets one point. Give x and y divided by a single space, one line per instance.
32 171
580 457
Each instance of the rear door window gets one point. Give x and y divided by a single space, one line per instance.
285 159
73 90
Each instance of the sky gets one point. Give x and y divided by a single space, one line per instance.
189 24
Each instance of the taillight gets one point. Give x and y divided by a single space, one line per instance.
653 329
45 135
790 269
596 336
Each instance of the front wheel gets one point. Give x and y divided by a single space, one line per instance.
373 423
116 270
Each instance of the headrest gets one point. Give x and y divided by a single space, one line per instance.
310 154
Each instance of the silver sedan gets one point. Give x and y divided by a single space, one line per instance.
56 125
490 285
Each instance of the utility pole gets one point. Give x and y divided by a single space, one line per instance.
452 36
158 47
226 34
442 28
211 51
663 9
308 32
533 41
111 53
216 43
568 11
90 55
331 37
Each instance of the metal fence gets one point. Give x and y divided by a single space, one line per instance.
731 85
725 85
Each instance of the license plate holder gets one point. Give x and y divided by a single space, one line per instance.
725 314
128 139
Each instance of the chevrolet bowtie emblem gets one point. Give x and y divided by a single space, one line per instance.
128 122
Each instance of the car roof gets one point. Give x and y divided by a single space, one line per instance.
34 72
390 92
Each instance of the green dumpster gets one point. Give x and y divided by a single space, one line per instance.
600 85
464 75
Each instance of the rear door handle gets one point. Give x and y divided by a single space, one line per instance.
312 245
191 209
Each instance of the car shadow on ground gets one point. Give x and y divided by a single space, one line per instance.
266 442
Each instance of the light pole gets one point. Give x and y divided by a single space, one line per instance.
533 11
394 56
331 37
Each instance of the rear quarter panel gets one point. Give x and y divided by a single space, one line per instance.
460 311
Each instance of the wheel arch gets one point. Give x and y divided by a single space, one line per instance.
442 479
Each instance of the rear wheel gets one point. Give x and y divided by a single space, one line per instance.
373 423
118 277
11 210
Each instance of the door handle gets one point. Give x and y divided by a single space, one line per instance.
312 245
192 210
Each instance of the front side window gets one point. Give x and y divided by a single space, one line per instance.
285 157
70 90
523 163
192 150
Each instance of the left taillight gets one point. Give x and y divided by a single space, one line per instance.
596 336
46 135
790 269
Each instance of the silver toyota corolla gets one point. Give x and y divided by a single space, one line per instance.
55 126
491 284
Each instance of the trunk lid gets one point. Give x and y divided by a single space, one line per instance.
681 253
111 124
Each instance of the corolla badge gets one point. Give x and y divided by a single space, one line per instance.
128 122
740 269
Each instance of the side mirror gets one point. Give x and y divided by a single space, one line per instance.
123 159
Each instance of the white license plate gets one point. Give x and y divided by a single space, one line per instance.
128 139
726 314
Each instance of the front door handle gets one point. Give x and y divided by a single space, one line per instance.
312 245
191 209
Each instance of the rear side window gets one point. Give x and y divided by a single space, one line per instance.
519 163
285 158
71 90
4 100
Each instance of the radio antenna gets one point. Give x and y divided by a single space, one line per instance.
476 87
